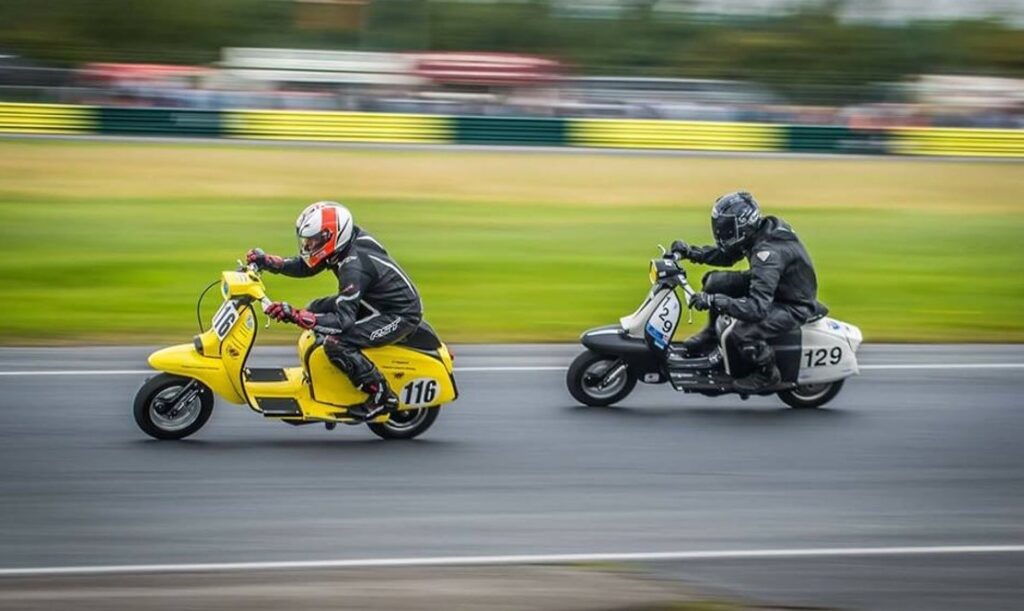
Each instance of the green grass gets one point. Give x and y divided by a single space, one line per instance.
93 249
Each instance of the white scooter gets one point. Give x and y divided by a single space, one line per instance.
814 360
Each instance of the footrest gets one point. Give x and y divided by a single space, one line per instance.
265 374
277 406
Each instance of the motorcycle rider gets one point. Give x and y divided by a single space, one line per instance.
370 283
777 294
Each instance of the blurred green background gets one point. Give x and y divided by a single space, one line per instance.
112 242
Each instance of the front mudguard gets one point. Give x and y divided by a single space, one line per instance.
613 341
184 360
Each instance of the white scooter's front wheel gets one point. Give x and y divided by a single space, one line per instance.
585 377
810 396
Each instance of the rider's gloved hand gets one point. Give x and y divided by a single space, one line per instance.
263 260
282 311
702 301
681 248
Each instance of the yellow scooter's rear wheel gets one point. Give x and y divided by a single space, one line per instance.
406 423
172 407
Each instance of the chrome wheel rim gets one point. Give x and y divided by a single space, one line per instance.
406 419
811 392
186 416
597 370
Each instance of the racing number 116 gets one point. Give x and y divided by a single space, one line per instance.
822 357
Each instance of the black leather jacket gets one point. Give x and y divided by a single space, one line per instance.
781 272
369 282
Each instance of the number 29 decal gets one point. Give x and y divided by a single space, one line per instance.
822 357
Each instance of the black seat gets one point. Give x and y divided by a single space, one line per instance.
423 338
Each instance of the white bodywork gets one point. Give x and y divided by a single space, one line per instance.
635 323
828 349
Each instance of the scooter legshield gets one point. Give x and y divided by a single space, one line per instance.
184 360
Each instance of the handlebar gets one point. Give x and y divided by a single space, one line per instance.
684 283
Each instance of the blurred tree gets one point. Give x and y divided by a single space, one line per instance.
810 55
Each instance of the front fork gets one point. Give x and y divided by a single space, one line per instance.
170 408
609 377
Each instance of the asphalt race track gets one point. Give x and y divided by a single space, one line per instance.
924 449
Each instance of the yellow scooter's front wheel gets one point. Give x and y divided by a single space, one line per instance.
172 407
406 423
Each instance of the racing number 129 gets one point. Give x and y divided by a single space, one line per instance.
822 357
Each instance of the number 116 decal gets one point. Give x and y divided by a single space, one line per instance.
822 357
421 391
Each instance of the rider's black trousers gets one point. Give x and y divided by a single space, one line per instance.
751 338
343 350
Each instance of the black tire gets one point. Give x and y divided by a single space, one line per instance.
406 424
810 396
584 365
149 420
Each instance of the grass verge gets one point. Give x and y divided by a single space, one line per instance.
111 242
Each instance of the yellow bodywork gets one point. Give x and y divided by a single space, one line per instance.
320 389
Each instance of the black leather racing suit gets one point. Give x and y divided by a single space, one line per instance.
777 294
376 305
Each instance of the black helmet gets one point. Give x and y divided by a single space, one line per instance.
734 219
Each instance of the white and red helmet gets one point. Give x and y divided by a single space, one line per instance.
323 229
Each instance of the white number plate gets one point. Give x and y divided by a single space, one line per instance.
421 391
225 319
662 323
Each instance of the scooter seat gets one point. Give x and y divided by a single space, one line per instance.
423 338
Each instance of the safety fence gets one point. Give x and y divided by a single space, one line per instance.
513 131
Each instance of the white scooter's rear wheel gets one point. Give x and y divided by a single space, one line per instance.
591 366
809 396
406 423
160 420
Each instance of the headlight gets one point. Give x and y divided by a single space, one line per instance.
653 274
224 289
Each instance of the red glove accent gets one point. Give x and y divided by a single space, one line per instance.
279 311
282 311
304 318
263 260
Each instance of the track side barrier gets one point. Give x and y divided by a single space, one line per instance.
407 128
159 122
47 119
957 142
676 135
338 126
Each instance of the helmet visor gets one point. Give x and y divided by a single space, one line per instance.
725 229
312 245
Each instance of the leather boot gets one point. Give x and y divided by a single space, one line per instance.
381 400
764 377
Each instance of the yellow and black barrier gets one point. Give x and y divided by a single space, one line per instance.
676 135
957 142
47 119
407 128
338 126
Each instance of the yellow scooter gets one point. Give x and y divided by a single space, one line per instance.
179 401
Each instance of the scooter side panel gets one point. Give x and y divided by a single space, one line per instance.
420 380
827 354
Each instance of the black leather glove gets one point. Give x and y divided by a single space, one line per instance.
682 249
263 260
702 301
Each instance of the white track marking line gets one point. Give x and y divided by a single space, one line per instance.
757 554
889 367
895 367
